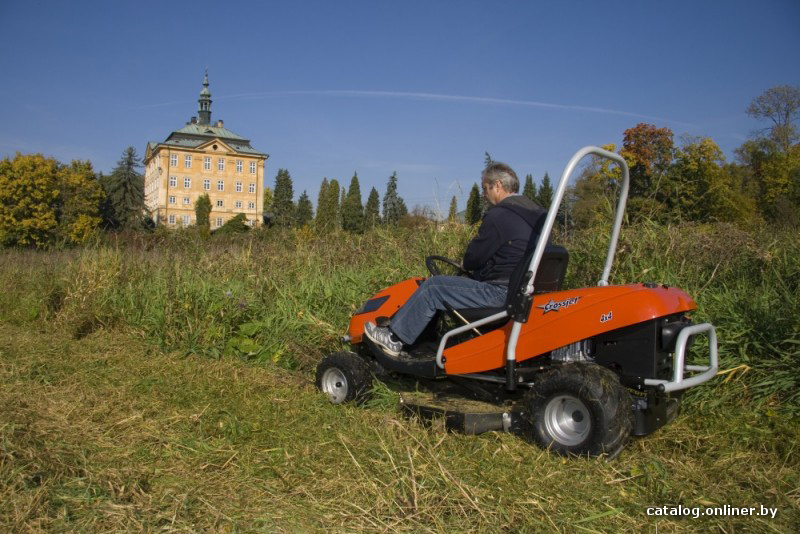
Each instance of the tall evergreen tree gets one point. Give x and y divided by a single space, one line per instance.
545 195
305 211
322 198
530 189
487 159
283 209
473 214
339 212
328 207
372 211
125 190
394 208
352 210
453 215
202 211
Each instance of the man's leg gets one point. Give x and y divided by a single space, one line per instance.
457 291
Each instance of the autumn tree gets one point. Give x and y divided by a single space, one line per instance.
781 106
28 191
267 201
305 211
283 210
79 200
649 151
393 205
372 215
352 209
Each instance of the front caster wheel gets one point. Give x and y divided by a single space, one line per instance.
578 408
344 377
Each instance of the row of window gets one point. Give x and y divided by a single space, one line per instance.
187 184
187 220
220 203
187 163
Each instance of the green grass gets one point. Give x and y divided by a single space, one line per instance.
164 382
112 435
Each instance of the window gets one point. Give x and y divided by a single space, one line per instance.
187 183
238 204
252 188
172 199
186 201
187 220
219 222
220 185
238 187
187 162
220 203
207 163
251 205
239 165
173 181
221 164
173 160
207 184
252 167
172 219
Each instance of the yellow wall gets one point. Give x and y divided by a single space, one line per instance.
157 189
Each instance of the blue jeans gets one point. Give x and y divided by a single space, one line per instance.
457 291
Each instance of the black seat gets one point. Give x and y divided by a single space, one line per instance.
549 277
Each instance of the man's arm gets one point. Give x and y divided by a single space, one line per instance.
483 246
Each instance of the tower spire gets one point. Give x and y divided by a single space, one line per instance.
204 111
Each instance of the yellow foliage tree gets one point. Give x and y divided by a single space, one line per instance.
28 195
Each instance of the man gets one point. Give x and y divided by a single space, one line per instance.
491 256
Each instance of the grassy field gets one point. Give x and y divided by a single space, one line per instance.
164 383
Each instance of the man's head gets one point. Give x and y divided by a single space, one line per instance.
498 181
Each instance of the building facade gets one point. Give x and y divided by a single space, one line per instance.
204 158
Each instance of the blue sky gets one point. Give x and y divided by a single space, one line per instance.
423 88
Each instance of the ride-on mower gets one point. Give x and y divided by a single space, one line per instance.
576 371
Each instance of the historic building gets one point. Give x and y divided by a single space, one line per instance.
204 158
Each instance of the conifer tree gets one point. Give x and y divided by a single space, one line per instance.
352 210
339 212
322 198
202 211
453 215
283 210
372 215
530 189
125 190
394 208
545 195
304 213
473 214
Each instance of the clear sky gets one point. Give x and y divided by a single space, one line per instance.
423 88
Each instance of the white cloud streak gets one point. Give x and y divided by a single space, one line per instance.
432 97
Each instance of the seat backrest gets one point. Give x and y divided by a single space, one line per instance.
549 275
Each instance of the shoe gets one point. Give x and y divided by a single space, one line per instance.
383 338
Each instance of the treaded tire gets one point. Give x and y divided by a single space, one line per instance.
580 409
344 377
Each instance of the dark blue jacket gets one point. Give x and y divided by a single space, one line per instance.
503 238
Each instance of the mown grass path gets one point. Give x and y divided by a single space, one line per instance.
107 434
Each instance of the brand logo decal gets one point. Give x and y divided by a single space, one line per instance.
606 317
555 306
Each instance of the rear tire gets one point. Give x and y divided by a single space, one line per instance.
344 377
578 408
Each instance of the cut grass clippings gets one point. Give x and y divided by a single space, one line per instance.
106 433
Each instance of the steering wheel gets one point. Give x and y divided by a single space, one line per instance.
430 263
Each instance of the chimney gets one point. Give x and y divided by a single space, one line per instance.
220 124
194 120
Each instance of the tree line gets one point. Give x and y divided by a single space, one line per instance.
43 202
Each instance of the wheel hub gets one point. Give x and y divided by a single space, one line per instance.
567 420
334 383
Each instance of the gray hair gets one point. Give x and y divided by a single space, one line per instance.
500 172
